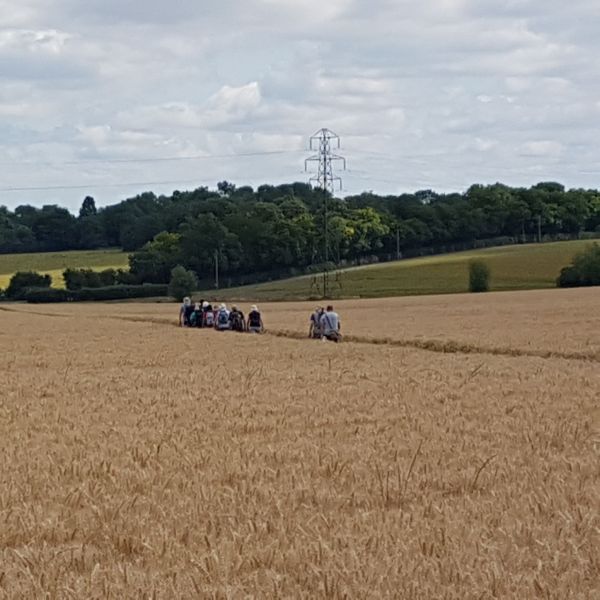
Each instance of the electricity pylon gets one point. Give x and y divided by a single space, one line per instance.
323 140
325 178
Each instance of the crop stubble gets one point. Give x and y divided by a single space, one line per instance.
142 460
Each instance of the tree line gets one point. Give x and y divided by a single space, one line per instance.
281 229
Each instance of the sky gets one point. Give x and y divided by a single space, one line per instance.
112 98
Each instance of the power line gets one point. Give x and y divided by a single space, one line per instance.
153 159
354 174
36 188
94 185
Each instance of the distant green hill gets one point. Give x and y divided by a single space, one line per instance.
54 263
519 267
522 267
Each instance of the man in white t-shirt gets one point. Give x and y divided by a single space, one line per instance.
330 325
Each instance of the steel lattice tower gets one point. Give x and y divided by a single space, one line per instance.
323 140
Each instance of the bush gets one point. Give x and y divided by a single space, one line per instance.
22 280
126 277
479 276
113 292
106 278
568 278
76 279
37 295
183 283
72 279
584 270
122 292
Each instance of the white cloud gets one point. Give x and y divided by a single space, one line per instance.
549 148
22 109
484 145
17 14
227 106
233 103
313 12
438 93
47 41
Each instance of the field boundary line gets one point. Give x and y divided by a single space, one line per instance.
33 312
452 347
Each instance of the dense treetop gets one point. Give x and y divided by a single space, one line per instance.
282 227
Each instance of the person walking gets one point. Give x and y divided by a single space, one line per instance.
236 318
185 312
314 331
222 321
208 314
199 311
255 322
196 316
330 325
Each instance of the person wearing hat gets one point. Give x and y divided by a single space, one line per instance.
222 322
185 312
255 322
208 319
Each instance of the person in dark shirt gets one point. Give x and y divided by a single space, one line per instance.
185 312
196 316
236 318
314 330
199 314
255 322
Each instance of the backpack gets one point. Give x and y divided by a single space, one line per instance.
316 321
209 318
222 318
187 312
254 319
237 321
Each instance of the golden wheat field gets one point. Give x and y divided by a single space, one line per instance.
448 448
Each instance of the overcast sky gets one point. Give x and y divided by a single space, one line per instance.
423 93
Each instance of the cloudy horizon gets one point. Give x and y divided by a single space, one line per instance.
112 98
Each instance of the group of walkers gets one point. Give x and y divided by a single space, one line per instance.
325 324
203 314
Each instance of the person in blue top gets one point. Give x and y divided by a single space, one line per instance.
222 322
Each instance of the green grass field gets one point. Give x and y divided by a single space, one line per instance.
523 267
54 263
530 266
